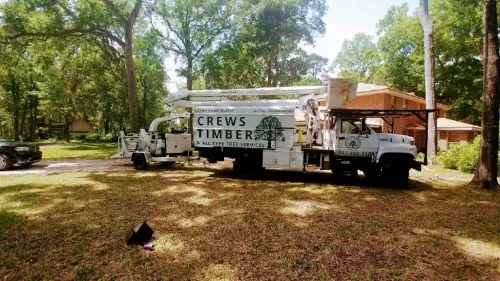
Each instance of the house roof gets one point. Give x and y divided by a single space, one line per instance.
445 124
372 89
365 89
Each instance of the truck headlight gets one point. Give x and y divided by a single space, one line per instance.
22 148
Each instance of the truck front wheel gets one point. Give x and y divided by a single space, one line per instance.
396 176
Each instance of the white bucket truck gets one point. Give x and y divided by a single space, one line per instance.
269 133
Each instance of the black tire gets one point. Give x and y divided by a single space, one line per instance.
353 172
402 177
339 170
140 162
5 162
246 165
396 177
371 173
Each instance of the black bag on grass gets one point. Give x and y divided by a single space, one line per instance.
140 234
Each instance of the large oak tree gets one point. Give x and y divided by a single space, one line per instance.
486 174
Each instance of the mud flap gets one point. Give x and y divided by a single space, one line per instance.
416 165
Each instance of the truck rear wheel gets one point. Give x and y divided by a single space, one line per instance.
371 173
247 164
339 170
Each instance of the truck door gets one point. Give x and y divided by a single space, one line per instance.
354 138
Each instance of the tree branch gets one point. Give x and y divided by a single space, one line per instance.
135 12
62 33
174 31
115 11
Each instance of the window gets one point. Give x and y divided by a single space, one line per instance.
351 126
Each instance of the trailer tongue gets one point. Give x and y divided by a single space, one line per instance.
268 134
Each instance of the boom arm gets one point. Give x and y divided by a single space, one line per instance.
188 98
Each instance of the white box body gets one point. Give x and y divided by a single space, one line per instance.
293 160
177 143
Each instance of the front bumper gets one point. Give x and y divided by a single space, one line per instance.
29 157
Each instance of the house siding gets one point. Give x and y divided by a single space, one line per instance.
389 99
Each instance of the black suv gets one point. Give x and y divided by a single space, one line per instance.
20 154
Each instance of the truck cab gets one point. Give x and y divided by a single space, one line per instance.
356 146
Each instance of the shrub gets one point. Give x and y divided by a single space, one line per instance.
469 156
100 138
80 137
420 156
93 138
463 157
449 158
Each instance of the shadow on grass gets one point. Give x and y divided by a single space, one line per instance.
295 176
211 225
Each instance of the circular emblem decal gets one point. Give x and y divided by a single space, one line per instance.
352 142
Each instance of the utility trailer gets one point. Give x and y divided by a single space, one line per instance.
149 146
265 133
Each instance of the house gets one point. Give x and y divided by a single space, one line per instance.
371 96
454 132
80 127
76 126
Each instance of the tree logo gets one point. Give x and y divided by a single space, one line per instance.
269 129
352 142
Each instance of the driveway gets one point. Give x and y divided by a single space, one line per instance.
56 166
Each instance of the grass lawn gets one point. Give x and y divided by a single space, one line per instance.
88 151
210 225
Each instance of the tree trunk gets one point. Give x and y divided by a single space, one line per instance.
269 73
189 85
106 125
486 174
50 128
189 73
33 113
131 83
144 100
66 127
14 90
430 102
128 24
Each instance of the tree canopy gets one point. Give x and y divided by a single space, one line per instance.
396 56
102 61
92 59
